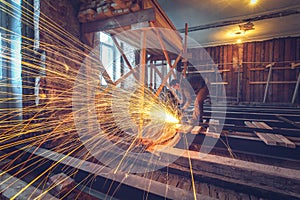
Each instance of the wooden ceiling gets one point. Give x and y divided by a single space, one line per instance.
215 22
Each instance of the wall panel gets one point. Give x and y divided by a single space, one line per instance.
252 58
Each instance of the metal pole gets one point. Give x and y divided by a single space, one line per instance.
268 81
296 89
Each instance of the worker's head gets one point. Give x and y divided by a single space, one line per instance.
175 84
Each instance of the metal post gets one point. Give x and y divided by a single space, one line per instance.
296 89
268 81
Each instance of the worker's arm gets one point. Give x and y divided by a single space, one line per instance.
196 105
180 101
188 99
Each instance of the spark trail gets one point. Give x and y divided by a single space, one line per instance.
47 118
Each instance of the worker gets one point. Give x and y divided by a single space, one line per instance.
170 98
187 87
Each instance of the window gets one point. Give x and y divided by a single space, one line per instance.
1 53
112 59
107 56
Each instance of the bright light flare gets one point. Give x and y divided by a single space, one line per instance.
171 119
253 2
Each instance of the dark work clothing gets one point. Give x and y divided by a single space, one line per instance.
199 101
196 81
194 84
171 98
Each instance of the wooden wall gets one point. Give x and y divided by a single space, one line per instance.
249 61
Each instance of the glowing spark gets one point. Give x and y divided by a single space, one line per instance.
171 119
120 109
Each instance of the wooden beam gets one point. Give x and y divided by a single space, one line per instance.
119 21
122 52
272 82
140 183
185 61
167 58
275 179
123 56
11 186
164 80
266 138
143 61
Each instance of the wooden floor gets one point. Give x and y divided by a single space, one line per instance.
242 164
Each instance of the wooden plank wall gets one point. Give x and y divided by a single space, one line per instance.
252 59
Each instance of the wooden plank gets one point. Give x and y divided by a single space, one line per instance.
270 178
266 138
61 184
286 142
249 124
196 129
119 21
278 140
281 140
261 125
11 186
150 186
266 126
272 82
256 125
185 184
173 180
212 134
184 128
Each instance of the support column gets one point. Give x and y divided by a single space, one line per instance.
28 74
14 68
142 79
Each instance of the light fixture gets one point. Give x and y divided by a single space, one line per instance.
243 28
239 41
247 27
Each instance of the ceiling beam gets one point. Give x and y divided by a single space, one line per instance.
270 15
119 21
